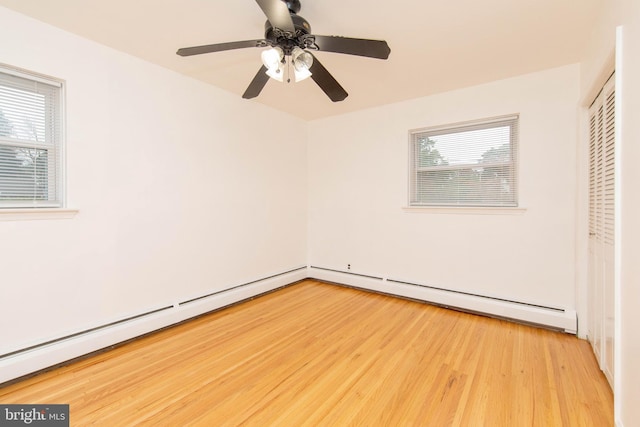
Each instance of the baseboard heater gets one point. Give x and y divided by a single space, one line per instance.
83 332
17 363
549 317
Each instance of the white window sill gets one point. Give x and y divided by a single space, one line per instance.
28 214
465 210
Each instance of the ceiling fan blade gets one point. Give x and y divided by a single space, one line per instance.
361 47
277 13
327 83
256 85
218 47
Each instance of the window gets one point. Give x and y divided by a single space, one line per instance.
470 164
30 140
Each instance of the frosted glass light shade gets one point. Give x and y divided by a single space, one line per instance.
302 62
276 74
301 74
272 58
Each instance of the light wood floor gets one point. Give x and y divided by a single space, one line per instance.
317 354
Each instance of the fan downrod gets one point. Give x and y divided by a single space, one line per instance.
293 5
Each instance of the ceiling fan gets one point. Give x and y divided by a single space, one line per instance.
289 37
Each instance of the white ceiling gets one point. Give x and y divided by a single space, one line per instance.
435 45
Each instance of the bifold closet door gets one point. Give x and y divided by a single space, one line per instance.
601 226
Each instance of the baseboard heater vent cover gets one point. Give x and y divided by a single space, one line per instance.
536 314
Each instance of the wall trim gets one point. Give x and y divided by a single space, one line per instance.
30 214
465 210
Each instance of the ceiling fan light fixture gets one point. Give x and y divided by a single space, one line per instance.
288 35
276 74
272 58
300 75
302 60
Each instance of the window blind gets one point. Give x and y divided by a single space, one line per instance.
30 141
471 164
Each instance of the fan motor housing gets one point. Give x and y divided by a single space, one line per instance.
285 39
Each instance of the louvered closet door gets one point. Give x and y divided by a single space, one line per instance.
601 226
595 277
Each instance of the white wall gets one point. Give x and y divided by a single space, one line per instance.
358 182
596 63
180 192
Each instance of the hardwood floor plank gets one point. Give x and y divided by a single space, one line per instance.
318 354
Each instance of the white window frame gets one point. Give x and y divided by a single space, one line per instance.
415 189
53 143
